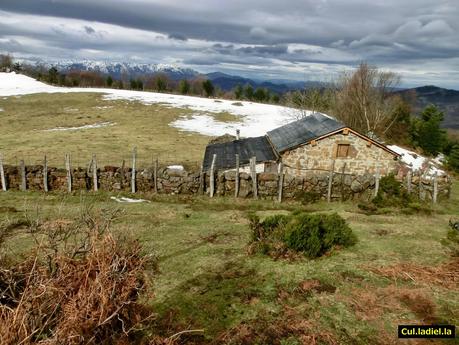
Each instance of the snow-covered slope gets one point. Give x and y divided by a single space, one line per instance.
418 162
253 119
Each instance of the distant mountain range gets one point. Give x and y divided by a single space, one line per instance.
224 81
447 100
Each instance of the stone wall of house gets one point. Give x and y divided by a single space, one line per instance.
173 181
364 157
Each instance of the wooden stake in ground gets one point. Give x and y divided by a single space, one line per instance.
201 180
330 181
134 156
23 175
421 194
2 174
280 173
377 177
45 174
408 181
69 172
212 176
155 176
435 189
343 176
236 186
94 173
123 164
253 170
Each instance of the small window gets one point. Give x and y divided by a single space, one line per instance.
343 151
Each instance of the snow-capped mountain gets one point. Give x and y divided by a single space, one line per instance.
118 69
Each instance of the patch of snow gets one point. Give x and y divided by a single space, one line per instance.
1 109
128 200
176 167
418 162
104 107
95 125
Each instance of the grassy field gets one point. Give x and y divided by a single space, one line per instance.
25 119
207 280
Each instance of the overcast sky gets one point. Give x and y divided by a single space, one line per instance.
270 39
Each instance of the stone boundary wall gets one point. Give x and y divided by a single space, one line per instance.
175 181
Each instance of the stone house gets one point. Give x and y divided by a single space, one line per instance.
312 144
317 142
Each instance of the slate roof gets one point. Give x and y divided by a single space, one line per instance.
246 148
302 131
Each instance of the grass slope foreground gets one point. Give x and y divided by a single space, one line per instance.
402 269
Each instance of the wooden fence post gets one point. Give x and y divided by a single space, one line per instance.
330 181
236 187
408 181
2 174
123 164
201 179
253 169
421 196
435 189
69 172
134 156
94 173
377 177
212 176
155 175
23 175
343 177
45 174
280 173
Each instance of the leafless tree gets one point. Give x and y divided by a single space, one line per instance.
364 100
309 100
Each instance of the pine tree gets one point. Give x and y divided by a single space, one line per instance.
430 137
109 81
53 75
238 91
453 158
184 87
208 88
248 91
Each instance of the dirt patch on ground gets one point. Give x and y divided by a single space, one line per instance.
8 209
313 285
370 303
288 326
445 275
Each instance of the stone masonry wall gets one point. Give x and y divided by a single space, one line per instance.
363 157
174 181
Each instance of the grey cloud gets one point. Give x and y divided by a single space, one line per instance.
178 37
89 30
341 33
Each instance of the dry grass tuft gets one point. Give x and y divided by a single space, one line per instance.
288 326
445 275
88 295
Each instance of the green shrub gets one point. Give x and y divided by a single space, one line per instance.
391 193
316 234
310 234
